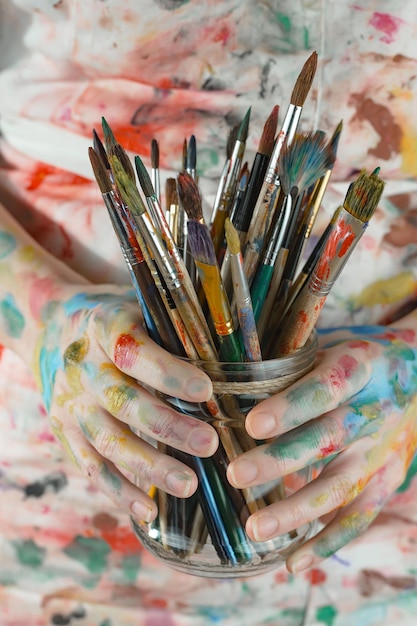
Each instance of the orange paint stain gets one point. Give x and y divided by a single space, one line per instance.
316 576
42 171
125 351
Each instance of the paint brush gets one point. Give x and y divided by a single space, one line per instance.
155 315
118 155
348 225
301 164
172 211
230 183
231 140
199 333
184 155
247 324
161 225
155 175
313 204
268 196
202 249
241 218
191 165
225 269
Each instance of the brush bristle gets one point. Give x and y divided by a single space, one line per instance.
334 140
201 244
231 140
100 150
127 188
144 178
232 237
192 154
303 83
109 138
190 197
184 154
243 130
171 193
267 141
304 161
99 171
154 154
364 195
119 152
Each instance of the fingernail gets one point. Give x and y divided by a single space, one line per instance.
304 562
142 511
198 388
262 425
201 441
243 471
264 527
179 483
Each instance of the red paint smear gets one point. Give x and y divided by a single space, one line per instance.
359 343
328 450
41 291
223 35
349 365
125 351
122 539
316 576
386 23
338 243
42 171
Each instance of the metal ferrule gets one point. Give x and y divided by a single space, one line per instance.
287 132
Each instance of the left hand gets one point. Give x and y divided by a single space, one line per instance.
356 408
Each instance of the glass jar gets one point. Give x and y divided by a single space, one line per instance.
205 534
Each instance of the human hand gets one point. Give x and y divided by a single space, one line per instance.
94 360
357 411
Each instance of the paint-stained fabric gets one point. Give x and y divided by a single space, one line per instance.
167 69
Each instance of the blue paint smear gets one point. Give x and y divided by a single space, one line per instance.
50 361
7 244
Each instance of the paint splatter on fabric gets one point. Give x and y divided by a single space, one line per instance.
67 555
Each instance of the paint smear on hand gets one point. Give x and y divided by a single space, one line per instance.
13 319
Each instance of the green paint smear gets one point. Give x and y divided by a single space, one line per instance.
326 614
7 244
29 553
13 319
76 352
130 567
412 471
89 551
306 35
284 21
114 482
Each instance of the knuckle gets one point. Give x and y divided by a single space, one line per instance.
298 516
107 444
341 490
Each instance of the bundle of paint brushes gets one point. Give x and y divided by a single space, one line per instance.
232 289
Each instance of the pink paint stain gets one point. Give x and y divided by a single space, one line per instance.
387 24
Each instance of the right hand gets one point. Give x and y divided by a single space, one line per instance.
94 360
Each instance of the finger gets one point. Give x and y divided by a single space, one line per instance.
349 524
337 485
116 443
342 372
133 405
128 346
296 449
103 474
